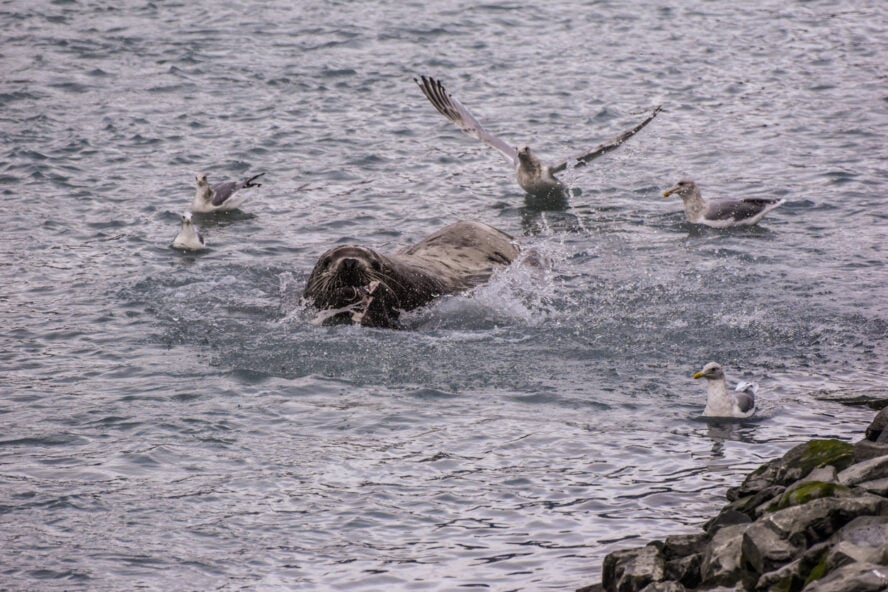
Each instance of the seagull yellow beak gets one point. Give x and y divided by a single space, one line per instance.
698 375
669 192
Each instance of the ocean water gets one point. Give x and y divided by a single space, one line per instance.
174 421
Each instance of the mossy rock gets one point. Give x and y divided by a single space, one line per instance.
816 453
818 571
795 465
805 492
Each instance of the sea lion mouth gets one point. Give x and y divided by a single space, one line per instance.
362 305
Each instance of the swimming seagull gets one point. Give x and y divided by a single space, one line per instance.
720 213
214 198
722 403
533 176
189 236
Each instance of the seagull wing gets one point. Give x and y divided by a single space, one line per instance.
744 395
453 110
607 146
745 400
740 209
250 181
222 191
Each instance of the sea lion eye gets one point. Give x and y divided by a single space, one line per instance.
325 262
376 266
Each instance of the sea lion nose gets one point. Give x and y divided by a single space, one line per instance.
349 264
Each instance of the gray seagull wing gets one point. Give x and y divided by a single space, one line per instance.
608 146
745 400
453 110
222 191
741 209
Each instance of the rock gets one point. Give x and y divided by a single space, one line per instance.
868 470
664 587
683 556
744 509
871 400
765 547
826 473
865 450
682 545
786 579
753 505
820 518
793 576
855 577
864 539
591 588
686 570
727 517
878 426
721 560
781 537
804 491
878 487
794 465
630 570
844 553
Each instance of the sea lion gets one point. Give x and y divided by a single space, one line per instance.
356 284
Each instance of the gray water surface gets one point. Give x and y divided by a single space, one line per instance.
175 421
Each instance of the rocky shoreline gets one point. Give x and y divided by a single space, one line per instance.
815 520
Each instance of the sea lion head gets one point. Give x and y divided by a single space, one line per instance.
354 284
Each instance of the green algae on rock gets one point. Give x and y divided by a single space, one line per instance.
807 491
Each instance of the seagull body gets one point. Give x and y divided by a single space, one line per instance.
189 237
536 178
720 213
723 403
221 196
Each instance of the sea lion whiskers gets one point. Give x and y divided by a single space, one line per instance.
384 283
331 281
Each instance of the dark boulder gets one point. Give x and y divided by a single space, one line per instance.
721 560
877 431
854 577
630 570
868 470
794 465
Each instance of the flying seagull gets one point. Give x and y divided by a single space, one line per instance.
536 178
214 198
723 403
720 213
189 237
